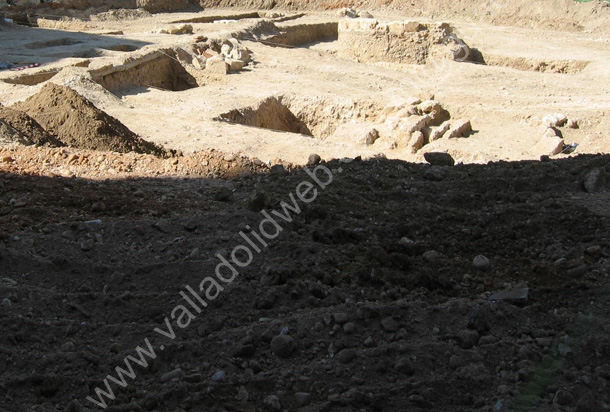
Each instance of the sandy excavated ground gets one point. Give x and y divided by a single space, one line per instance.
504 104
403 286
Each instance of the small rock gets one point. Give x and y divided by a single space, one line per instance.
406 241
346 356
87 245
564 349
235 65
7 159
302 398
371 137
244 350
417 141
602 371
550 144
223 194
435 173
595 180
195 253
468 338
341 317
219 376
594 251
432 256
438 132
98 207
572 124
577 272
278 169
349 328
282 345
369 342
193 378
242 394
116 348
229 157
75 406
259 201
226 48
481 262
313 160
174 374
563 398
403 365
216 65
439 159
68 347
544 342
164 225
273 402
460 128
455 362
554 120
267 300
389 324
514 296
50 386
503 389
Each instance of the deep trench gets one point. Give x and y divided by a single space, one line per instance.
270 114
163 72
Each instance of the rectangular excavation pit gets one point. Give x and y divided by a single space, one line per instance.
159 69
303 34
271 113
121 47
536 64
32 79
66 41
315 117
212 19
406 124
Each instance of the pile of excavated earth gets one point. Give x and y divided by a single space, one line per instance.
304 206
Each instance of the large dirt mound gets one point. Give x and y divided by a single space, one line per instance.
29 128
78 123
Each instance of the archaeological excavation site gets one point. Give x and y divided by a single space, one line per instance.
312 206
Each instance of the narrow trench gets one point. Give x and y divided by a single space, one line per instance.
304 34
31 79
163 72
212 19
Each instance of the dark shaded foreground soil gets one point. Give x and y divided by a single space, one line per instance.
372 288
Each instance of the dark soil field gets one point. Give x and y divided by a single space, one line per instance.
396 287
